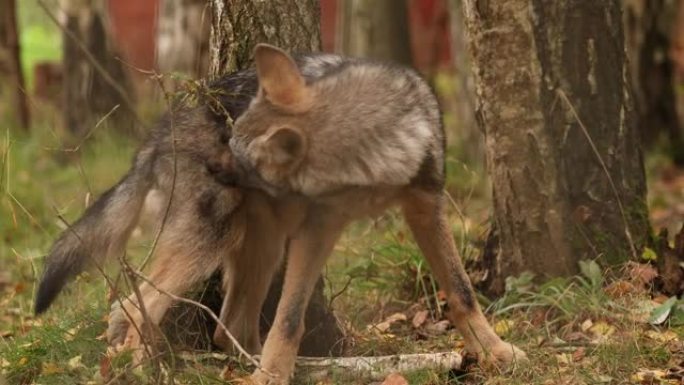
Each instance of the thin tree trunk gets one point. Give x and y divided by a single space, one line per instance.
237 26
183 37
13 60
469 137
376 29
562 148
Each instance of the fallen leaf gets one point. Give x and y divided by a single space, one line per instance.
395 379
648 376
439 327
620 289
601 331
50 368
662 336
586 325
648 254
643 273
660 313
419 319
578 354
385 325
503 327
564 359
74 362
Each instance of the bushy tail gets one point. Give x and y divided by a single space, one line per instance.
101 232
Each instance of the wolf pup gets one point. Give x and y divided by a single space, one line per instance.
354 138
209 225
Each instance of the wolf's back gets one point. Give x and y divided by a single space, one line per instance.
101 232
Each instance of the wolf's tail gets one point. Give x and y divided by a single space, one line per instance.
101 232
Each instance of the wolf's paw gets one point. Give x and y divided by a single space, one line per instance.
260 377
118 326
504 355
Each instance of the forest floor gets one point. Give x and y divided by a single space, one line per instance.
583 330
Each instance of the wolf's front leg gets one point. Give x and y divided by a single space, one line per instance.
426 216
308 251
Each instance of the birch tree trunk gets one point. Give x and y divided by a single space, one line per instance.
183 37
562 147
237 26
377 29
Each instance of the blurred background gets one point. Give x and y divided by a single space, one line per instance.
81 82
51 88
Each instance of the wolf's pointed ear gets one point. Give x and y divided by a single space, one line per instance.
285 145
280 80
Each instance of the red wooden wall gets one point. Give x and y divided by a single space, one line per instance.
134 24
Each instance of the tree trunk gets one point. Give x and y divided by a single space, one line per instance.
562 148
95 84
377 29
468 137
237 26
10 55
648 25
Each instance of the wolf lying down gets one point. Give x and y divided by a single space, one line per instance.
319 140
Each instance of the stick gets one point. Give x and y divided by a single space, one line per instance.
368 368
377 368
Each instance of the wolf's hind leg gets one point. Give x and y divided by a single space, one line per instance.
248 275
174 271
426 216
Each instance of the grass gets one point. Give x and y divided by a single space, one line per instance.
576 330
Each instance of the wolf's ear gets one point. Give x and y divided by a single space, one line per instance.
280 80
285 145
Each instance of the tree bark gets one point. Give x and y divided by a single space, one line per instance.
11 56
648 25
237 26
95 85
562 148
377 29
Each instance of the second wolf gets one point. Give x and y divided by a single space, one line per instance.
209 225
353 139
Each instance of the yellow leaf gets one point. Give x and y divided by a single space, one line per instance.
648 375
503 327
23 361
664 336
50 368
587 324
602 329
75 362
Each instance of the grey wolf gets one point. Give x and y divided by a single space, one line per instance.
209 225
352 137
